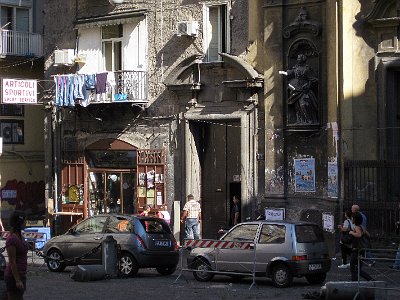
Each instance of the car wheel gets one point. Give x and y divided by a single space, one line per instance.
281 276
202 271
168 270
128 266
316 278
53 261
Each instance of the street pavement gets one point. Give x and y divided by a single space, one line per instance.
148 284
43 284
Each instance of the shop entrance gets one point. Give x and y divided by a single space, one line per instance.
219 151
111 192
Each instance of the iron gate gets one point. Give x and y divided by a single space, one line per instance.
375 187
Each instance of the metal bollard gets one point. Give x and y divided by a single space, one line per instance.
88 273
110 256
347 290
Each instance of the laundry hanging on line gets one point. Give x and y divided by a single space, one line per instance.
83 89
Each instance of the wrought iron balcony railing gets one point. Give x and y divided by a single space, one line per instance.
130 86
18 43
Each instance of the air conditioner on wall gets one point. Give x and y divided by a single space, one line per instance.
187 28
64 57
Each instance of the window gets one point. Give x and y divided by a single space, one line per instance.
15 18
13 110
12 131
119 225
155 226
309 234
92 225
112 47
272 234
242 232
216 31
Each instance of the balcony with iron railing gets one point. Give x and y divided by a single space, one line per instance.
16 43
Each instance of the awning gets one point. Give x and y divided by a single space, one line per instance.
111 19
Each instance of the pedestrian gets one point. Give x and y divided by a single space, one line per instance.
1 222
164 214
235 214
146 211
357 232
192 217
355 208
17 250
396 265
346 239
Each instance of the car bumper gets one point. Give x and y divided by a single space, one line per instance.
310 267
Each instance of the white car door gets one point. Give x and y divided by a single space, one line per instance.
236 259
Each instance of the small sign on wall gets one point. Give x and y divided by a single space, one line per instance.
328 222
274 214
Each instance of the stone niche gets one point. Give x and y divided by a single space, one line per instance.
303 85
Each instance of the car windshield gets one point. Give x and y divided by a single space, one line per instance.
155 226
308 233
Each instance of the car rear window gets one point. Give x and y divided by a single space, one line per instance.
309 233
155 226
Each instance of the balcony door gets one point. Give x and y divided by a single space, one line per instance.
112 47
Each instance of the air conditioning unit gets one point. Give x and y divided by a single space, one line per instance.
64 57
187 28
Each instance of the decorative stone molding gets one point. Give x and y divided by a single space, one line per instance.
302 24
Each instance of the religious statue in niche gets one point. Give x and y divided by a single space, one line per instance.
302 99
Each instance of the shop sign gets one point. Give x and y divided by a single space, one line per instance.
19 91
8 194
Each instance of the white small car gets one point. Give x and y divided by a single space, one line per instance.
278 249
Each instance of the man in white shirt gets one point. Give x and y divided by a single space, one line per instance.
192 217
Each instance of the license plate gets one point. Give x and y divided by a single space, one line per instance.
313 267
162 243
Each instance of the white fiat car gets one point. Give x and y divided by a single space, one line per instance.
277 249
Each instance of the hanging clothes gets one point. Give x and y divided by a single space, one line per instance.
101 83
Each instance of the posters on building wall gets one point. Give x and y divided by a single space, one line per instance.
332 180
304 169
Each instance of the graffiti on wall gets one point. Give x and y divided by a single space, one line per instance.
26 196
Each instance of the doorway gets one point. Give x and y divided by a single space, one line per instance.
111 192
219 150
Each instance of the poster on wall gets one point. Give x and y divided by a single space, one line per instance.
304 170
332 180
328 222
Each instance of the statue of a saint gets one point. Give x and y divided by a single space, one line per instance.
302 100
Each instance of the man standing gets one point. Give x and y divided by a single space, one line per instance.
235 215
191 216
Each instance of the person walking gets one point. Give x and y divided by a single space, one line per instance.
346 239
235 213
355 208
357 232
192 217
17 250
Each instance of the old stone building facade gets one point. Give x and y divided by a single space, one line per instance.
284 103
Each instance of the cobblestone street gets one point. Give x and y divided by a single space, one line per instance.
43 284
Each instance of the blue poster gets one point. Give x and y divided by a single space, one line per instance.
304 175
332 180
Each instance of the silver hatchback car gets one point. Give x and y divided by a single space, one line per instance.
278 249
146 242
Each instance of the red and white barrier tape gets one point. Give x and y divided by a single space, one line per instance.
217 244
